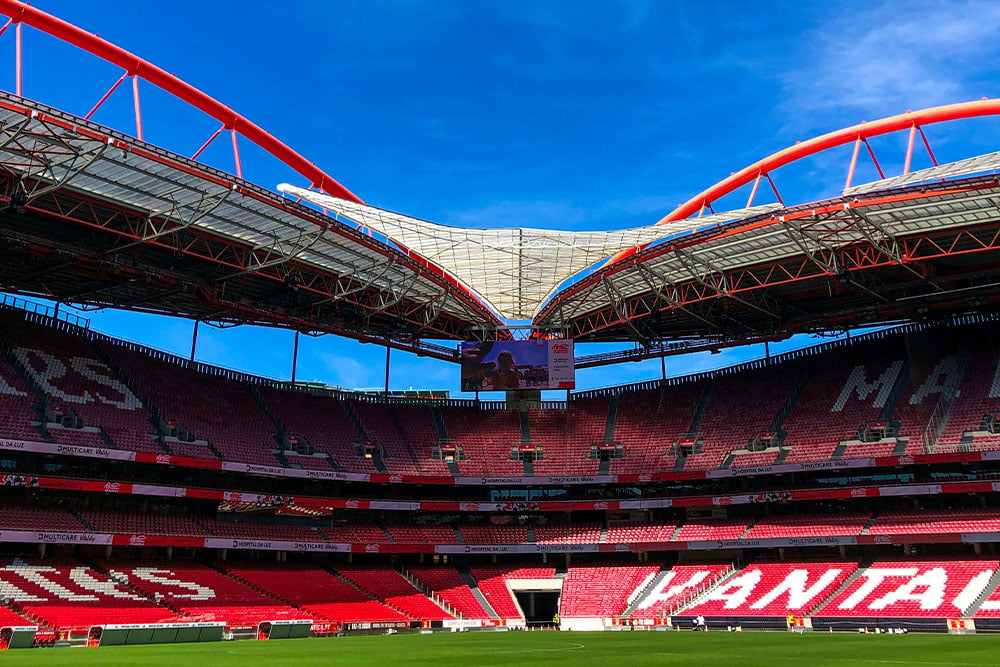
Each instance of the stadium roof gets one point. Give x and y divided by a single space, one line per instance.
97 217
514 269
94 216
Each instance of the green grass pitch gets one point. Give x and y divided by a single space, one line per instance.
549 648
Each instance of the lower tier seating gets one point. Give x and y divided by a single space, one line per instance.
447 584
602 589
201 593
316 591
773 589
492 581
65 594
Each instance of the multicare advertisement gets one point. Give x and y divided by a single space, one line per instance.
522 364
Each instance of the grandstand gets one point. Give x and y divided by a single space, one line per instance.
846 484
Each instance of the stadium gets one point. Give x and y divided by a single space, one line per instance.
846 487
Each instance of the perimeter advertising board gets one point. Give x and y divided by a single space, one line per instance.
513 365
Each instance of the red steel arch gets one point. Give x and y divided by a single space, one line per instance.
20 12
859 132
912 120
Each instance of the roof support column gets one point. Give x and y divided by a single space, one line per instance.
194 339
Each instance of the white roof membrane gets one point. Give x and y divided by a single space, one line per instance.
514 269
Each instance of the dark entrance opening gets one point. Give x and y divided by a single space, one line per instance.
539 607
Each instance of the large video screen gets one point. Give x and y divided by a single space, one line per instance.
523 364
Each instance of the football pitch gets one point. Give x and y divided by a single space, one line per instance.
549 648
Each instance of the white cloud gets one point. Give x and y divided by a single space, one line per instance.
893 57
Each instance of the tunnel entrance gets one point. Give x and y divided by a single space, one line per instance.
539 607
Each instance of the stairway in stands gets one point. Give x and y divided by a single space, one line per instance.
609 426
362 435
522 416
474 586
638 597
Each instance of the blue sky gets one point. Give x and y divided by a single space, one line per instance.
571 115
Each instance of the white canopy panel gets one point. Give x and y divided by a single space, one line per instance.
988 163
514 269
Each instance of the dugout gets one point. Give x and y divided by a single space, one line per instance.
292 629
154 633
17 636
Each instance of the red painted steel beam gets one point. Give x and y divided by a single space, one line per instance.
430 270
803 149
133 64
799 213
824 142
917 248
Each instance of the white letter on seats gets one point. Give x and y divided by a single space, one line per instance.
155 575
34 574
12 592
8 390
53 369
86 580
658 595
858 384
94 370
939 379
932 582
972 590
795 585
874 576
741 587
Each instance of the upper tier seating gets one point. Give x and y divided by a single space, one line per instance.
928 384
649 422
979 397
740 407
16 412
774 589
417 426
847 390
836 393
406 434
323 421
486 438
231 420
937 521
566 437
809 526
602 589
68 370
